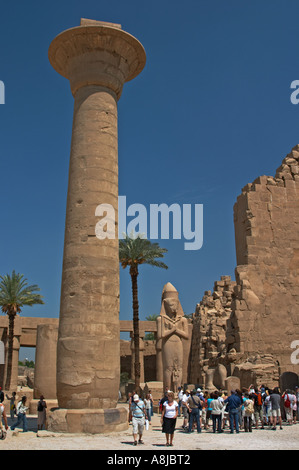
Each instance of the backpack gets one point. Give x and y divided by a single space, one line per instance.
249 406
287 402
199 406
259 399
40 406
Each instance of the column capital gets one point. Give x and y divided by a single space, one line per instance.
97 53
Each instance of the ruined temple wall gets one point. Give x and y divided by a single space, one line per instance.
265 317
209 332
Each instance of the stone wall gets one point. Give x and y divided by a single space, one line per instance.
265 316
209 329
250 327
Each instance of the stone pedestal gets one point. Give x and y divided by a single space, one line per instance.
88 421
97 58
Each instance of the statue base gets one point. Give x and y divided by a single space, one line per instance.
87 421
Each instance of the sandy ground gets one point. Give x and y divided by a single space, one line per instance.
154 439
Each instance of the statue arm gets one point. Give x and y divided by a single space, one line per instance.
180 329
159 333
165 332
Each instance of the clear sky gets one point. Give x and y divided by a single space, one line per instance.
210 112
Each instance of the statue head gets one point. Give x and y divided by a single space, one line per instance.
171 305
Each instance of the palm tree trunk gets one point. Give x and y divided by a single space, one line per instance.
134 274
11 327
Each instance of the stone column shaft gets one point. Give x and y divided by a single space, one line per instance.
89 321
97 58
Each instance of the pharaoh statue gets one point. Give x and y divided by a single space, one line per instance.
172 340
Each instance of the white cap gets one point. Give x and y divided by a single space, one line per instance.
199 389
135 397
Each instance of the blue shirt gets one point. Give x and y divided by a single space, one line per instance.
233 402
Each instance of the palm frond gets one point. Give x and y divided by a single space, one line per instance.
138 250
15 291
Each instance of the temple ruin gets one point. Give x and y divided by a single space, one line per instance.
243 332
249 326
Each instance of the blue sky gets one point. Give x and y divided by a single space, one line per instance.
210 112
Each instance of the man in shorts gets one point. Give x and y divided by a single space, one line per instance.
138 416
275 399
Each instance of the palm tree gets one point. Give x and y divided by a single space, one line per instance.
14 294
151 336
134 251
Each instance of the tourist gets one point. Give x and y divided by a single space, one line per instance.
137 416
275 408
168 418
288 399
241 409
163 399
148 407
129 399
225 414
258 408
194 405
297 399
12 406
4 417
294 407
233 404
204 410
201 411
248 413
216 406
180 397
208 410
152 402
267 409
41 413
185 409
21 414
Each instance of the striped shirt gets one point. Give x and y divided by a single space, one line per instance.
137 409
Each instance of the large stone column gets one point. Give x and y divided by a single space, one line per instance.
97 58
45 362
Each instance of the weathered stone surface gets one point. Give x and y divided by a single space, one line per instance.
45 361
268 266
262 312
97 58
88 421
210 330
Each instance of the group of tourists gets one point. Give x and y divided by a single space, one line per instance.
240 410
18 413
